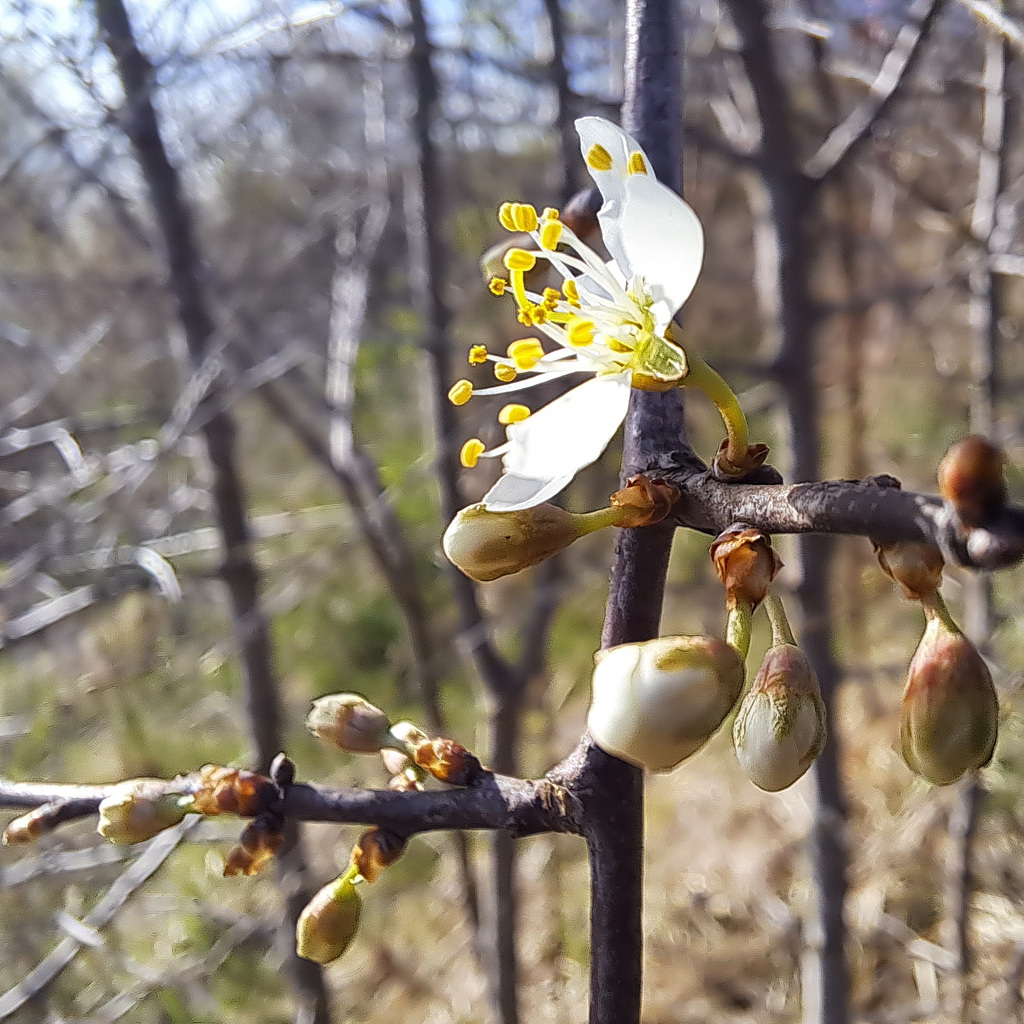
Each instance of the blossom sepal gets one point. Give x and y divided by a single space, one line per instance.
644 502
657 703
780 726
949 717
746 563
915 565
730 470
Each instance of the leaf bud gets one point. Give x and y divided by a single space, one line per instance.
140 809
746 563
377 849
449 762
950 712
328 923
656 703
971 480
488 545
915 565
780 726
350 722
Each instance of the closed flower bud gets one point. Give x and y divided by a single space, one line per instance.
656 703
949 716
350 722
780 727
915 565
328 923
488 545
971 480
746 563
140 809
377 849
449 762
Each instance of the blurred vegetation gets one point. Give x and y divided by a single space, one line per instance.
266 123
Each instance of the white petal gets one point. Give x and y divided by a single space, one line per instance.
596 131
662 242
548 449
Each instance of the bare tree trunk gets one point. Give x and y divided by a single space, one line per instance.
239 570
986 313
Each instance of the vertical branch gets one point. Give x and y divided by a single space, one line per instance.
985 309
239 570
825 978
654 426
567 144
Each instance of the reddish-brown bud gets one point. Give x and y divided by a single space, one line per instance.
915 565
746 564
29 827
643 502
377 849
725 469
971 480
949 717
449 762
260 840
232 791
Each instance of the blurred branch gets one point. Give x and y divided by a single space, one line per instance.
898 64
992 16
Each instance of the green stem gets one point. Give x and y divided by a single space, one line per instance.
590 522
710 381
782 633
935 608
738 628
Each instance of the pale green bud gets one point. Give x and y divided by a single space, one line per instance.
328 923
656 703
780 726
949 716
350 722
488 545
140 809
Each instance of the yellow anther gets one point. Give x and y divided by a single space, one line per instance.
525 353
637 164
550 234
461 392
598 158
619 346
550 213
524 216
505 372
513 414
580 332
551 298
471 452
478 355
519 259
497 285
571 291
538 314
505 217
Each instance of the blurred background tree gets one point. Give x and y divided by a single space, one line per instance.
859 171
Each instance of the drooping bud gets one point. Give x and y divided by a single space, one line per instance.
780 726
260 840
377 849
656 703
488 545
915 565
746 564
350 722
140 809
950 713
328 924
971 480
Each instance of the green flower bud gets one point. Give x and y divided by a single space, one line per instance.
656 703
949 716
780 727
488 545
139 809
350 722
328 923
